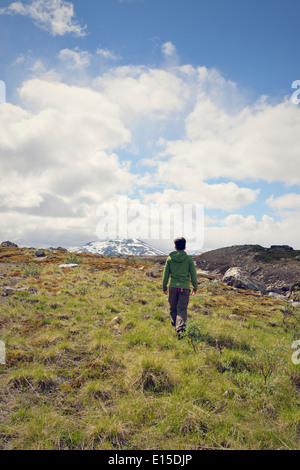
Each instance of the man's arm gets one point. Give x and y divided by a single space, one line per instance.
166 276
193 273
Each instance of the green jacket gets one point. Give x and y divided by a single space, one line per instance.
181 268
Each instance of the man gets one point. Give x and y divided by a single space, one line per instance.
182 270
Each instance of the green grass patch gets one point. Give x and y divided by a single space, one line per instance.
92 362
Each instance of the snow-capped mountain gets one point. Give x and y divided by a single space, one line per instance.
118 248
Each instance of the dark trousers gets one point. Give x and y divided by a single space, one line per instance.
178 307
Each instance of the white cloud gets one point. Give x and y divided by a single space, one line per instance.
58 157
74 58
75 111
227 197
168 49
238 230
55 16
289 201
19 198
61 147
143 92
246 145
106 54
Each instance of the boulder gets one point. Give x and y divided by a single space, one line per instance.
39 253
69 265
238 277
8 291
154 272
8 244
275 295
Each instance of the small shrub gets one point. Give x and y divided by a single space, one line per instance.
194 334
131 259
72 259
291 318
267 362
31 271
212 287
82 290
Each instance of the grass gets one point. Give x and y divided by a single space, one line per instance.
92 362
274 254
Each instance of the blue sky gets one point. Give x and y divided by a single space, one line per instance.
252 43
164 101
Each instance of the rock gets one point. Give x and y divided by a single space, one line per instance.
60 248
238 277
282 247
275 295
116 320
154 272
274 289
68 265
8 291
39 253
8 244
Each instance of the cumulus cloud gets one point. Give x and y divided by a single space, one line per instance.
168 49
227 197
57 154
74 58
188 130
54 16
246 145
238 230
143 92
289 201
106 54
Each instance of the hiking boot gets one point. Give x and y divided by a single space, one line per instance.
180 334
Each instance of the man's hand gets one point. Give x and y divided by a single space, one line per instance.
194 292
165 292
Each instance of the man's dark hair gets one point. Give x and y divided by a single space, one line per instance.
180 243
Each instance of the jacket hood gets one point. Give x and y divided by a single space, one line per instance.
178 256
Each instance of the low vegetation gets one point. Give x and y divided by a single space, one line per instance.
274 254
92 361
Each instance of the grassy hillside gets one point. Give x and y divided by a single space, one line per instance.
92 361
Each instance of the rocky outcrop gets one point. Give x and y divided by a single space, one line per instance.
8 244
238 277
278 267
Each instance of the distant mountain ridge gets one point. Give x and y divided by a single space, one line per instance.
120 247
